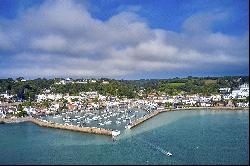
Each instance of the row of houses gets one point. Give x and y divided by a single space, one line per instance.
240 93
84 81
94 100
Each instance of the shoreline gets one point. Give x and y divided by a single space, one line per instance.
212 108
108 132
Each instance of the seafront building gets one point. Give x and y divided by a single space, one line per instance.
242 92
92 100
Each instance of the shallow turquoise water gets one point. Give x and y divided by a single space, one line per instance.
194 137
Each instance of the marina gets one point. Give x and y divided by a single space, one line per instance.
112 119
110 122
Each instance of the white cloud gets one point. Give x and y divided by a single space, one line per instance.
49 43
61 38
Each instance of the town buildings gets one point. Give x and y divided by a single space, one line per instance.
92 100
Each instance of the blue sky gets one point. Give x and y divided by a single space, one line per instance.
129 39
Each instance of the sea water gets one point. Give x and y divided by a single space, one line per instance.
193 137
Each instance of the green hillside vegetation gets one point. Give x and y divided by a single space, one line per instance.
122 88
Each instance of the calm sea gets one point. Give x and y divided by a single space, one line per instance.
193 137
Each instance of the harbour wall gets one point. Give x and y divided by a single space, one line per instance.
42 123
144 118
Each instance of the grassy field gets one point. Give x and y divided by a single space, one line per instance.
210 81
176 84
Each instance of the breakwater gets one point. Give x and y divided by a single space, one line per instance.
144 118
93 130
44 123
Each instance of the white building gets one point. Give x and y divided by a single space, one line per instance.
203 104
242 104
42 97
205 99
242 92
101 97
6 95
90 95
216 97
224 90
227 96
2 114
170 100
62 82
54 107
151 105
105 82
30 110
74 97
190 101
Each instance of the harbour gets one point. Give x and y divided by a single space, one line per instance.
73 120
146 143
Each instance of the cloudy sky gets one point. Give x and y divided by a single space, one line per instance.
123 39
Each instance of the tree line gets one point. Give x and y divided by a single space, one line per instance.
27 90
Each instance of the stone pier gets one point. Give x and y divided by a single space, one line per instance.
43 123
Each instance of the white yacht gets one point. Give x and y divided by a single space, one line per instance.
95 118
109 122
169 154
101 124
